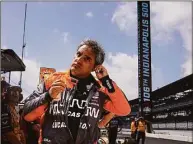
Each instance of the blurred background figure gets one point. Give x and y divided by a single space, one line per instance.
4 86
10 128
141 128
133 128
113 129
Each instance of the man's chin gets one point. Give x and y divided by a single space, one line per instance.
74 70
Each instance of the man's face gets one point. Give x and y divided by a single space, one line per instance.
83 63
14 96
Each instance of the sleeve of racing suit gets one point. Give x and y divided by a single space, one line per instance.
118 103
105 120
36 103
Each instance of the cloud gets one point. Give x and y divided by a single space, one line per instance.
65 37
170 17
125 16
89 14
166 18
187 66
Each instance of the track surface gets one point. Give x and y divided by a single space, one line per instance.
159 141
163 141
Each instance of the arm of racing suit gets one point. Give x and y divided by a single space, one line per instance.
118 103
105 120
36 103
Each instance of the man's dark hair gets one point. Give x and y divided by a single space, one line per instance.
96 48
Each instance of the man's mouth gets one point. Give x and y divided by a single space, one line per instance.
76 65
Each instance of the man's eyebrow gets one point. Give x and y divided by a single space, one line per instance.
88 56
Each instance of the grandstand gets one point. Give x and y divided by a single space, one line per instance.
171 105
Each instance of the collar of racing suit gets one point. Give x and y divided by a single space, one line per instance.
82 81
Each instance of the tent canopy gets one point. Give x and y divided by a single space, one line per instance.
10 61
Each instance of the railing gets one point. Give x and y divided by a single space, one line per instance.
177 105
186 125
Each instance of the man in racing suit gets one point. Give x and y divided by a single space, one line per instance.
71 103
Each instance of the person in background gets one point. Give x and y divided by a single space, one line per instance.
141 128
4 86
10 128
113 123
133 128
113 130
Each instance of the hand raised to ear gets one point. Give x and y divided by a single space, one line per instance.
101 71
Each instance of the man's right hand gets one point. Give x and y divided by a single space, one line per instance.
57 87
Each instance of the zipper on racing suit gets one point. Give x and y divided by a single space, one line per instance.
69 96
90 94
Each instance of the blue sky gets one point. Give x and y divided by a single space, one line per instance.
54 30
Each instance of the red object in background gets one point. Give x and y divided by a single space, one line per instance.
45 72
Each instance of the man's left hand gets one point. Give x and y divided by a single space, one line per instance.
101 71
